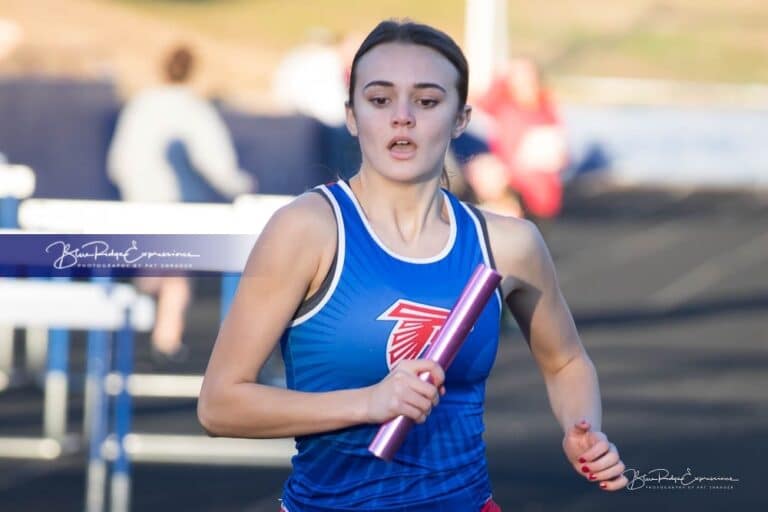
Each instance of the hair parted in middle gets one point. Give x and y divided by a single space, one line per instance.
407 31
410 32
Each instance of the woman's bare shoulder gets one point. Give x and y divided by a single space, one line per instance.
517 244
308 214
304 230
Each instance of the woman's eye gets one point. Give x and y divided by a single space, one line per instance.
379 101
427 102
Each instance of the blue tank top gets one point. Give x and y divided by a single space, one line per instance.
376 308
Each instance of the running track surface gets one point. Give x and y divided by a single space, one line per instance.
670 294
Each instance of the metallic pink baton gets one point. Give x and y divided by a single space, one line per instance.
443 351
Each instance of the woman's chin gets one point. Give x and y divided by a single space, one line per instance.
412 177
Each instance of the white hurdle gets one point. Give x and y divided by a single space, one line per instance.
159 448
119 217
17 182
246 216
66 305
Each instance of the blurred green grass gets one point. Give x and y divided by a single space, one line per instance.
705 40
280 25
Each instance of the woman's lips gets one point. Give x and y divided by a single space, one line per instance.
402 151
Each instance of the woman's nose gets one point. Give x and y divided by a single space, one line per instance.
403 116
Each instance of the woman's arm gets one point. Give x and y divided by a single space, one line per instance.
533 295
290 258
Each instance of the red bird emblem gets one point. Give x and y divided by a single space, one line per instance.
416 327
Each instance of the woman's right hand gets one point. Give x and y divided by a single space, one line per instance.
402 393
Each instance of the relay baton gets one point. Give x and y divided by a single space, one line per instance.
449 340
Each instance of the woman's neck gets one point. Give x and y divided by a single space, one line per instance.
406 210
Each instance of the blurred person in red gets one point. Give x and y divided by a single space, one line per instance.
526 135
171 145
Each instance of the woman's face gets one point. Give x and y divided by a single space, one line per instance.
406 110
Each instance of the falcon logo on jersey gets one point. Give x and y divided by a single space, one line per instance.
416 327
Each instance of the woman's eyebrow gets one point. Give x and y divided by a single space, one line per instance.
420 85
429 85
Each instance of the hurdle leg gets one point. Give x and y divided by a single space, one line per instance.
36 342
98 407
121 470
8 220
94 381
6 356
229 282
9 208
56 386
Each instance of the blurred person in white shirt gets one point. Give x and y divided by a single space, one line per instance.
309 80
312 79
166 139
11 36
161 116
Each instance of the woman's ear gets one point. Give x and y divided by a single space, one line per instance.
462 120
350 120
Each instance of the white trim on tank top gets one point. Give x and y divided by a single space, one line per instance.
484 244
430 259
340 249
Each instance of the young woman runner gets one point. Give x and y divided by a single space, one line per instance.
354 278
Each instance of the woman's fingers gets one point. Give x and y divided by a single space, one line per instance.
607 469
414 413
597 450
614 484
600 463
404 392
412 405
419 366
431 387
411 381
423 404
428 391
593 468
610 472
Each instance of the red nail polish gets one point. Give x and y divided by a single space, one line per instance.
582 460
585 469
603 485
592 477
